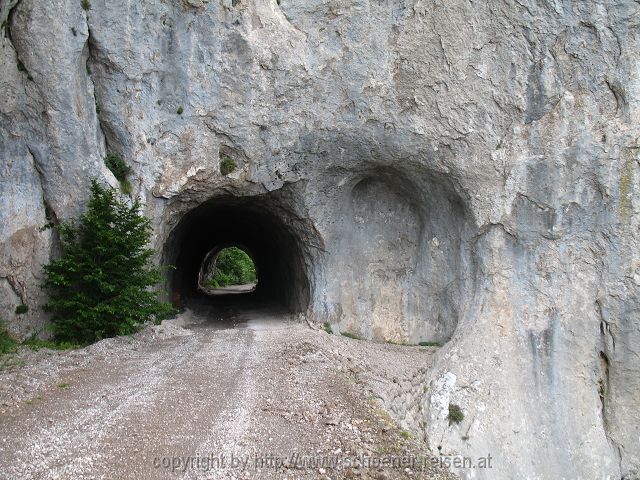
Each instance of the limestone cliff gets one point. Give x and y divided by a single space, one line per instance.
454 171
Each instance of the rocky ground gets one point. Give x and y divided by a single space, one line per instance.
250 395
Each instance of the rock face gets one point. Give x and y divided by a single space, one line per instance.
460 172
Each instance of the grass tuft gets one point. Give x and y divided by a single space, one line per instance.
36 344
125 187
455 414
406 434
7 343
350 335
227 164
22 308
117 166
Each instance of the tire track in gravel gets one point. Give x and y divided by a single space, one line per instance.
202 402
226 434
267 386
53 442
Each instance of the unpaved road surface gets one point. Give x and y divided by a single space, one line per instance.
252 396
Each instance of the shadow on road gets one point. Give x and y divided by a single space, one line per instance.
235 311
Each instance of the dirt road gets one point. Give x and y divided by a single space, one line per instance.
252 396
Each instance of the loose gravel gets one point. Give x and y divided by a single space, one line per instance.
211 395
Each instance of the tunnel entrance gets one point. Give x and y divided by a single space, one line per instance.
265 228
227 270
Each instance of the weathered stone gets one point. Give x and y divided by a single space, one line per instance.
461 172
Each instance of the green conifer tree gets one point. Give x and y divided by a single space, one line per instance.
100 287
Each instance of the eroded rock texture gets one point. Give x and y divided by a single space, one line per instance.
452 171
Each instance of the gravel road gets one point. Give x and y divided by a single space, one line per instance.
249 395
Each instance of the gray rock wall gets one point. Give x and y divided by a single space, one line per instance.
458 171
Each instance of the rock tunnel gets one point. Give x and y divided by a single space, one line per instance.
258 225
382 254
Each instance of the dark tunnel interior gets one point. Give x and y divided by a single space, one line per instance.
259 228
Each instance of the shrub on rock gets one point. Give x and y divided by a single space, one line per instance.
100 287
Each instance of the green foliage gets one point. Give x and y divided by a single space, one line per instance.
125 187
455 414
20 309
327 328
85 4
227 164
98 107
100 286
117 166
406 434
429 344
7 344
31 400
233 267
35 344
350 335
180 110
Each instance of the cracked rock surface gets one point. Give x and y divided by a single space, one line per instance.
456 172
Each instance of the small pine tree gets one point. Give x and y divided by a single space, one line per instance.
100 286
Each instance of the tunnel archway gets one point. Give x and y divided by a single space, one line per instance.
274 237
228 269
